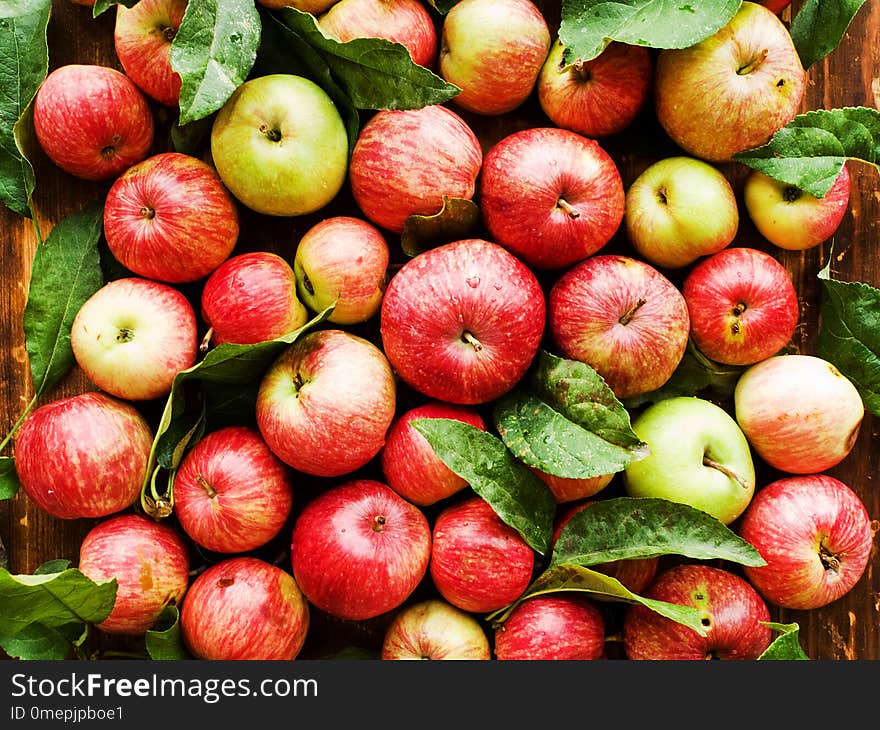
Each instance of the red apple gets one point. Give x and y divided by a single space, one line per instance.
777 6
815 535
359 549
462 322
599 97
409 463
92 121
478 562
244 608
84 455
325 404
142 37
435 629
732 613
405 161
252 298
231 493
550 196
170 218
148 559
315 7
742 304
622 317
570 489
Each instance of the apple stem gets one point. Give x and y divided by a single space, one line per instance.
471 340
378 523
579 67
627 316
790 193
753 66
724 470
147 212
203 483
274 135
570 210
168 33
829 560
206 340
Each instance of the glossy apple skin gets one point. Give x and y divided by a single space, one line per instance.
570 489
407 22
559 627
142 38
599 97
478 562
777 6
244 608
435 629
792 219
342 260
732 612
678 210
732 91
231 493
550 196
622 317
148 559
133 335
92 121
462 322
410 465
816 536
800 413
315 7
359 549
493 51
405 161
170 218
83 456
742 304
251 297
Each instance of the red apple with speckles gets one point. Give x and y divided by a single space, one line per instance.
435 629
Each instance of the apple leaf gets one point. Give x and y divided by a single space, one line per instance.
442 6
39 642
9 484
810 151
213 51
101 6
24 60
455 220
163 640
786 646
59 565
588 26
818 27
519 497
190 139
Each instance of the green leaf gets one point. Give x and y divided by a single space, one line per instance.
66 272
786 646
634 527
9 484
24 63
101 6
810 151
191 139
519 497
442 6
588 26
39 642
818 27
213 51
59 565
456 219
164 639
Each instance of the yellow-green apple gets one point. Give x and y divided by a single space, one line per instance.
622 317
170 218
342 260
359 549
493 50
598 97
231 493
732 612
550 196
405 161
790 218
732 91
244 608
462 322
280 145
252 297
84 455
435 629
678 210
698 457
148 559
133 335
92 121
326 402
799 412
815 535
742 304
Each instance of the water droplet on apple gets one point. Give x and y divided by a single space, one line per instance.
473 281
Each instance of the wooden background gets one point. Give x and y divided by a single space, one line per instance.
850 76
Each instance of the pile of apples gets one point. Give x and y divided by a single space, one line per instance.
387 531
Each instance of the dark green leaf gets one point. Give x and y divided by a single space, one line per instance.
9 484
66 272
188 429
59 565
786 646
455 220
519 497
818 27
24 63
101 6
442 6
39 642
164 640
191 139
213 51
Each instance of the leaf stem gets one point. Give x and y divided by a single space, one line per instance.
17 424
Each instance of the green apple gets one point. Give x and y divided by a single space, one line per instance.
279 144
699 457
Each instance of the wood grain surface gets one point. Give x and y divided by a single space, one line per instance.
850 76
